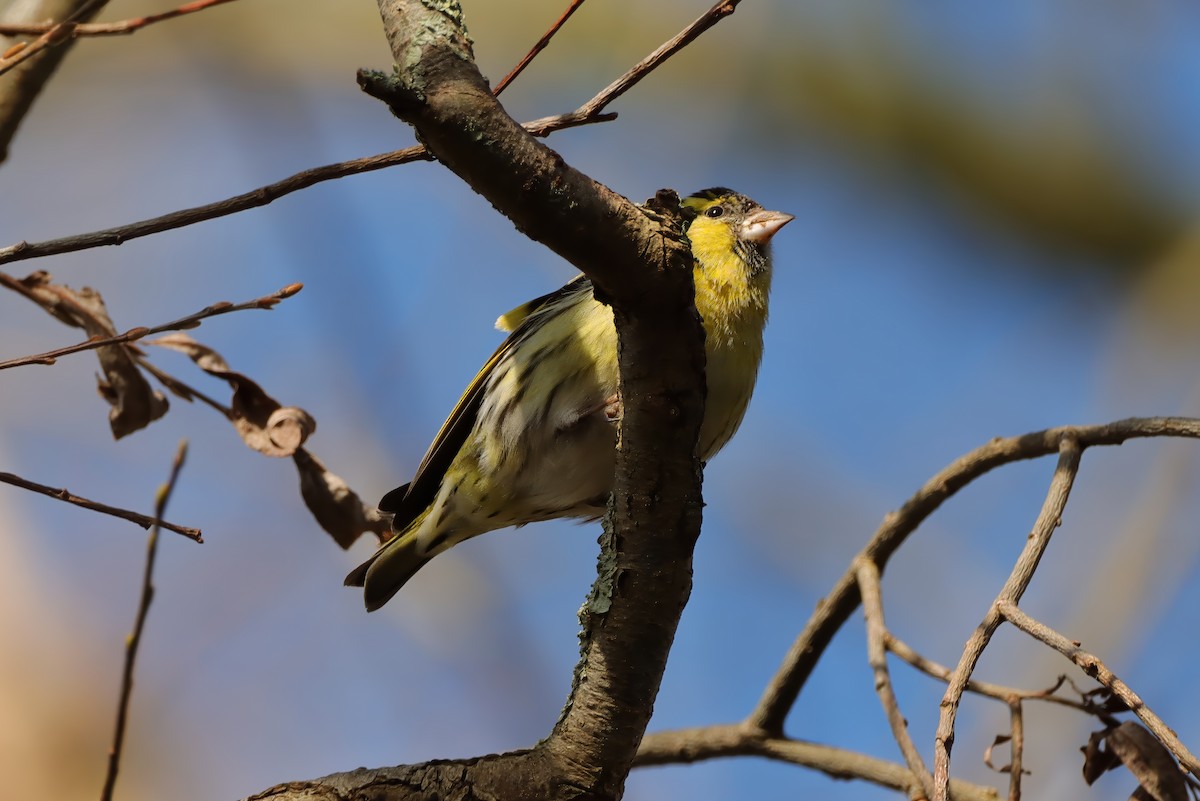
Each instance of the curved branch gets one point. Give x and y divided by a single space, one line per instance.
840 603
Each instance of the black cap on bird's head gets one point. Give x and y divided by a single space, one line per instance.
694 203
749 221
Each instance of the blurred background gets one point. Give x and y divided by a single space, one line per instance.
996 209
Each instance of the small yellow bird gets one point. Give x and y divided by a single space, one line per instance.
534 436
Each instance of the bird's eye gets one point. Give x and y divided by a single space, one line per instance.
714 211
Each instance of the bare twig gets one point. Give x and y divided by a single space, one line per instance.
1017 749
537 48
1018 581
134 334
651 62
868 584
837 606
135 637
751 738
125 26
590 112
1092 666
56 34
125 514
738 739
986 689
210 211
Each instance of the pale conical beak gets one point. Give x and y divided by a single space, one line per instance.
760 226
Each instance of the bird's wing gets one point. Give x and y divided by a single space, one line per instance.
409 501
509 321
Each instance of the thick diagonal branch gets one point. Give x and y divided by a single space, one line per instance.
643 268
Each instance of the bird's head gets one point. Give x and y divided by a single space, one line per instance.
724 223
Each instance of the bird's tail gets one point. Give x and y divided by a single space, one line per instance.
391 567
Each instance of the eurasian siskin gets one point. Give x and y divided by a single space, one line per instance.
533 437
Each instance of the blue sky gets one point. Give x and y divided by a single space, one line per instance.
911 321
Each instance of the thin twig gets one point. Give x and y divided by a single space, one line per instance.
1049 519
125 514
210 211
134 334
868 583
732 740
837 606
121 27
56 34
1016 749
537 48
1093 667
135 638
589 113
651 62
998 692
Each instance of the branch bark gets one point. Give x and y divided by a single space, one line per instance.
642 266
438 90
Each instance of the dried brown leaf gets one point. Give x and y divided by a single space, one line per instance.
263 423
1102 701
338 509
1143 755
1149 761
1001 739
134 404
1097 760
